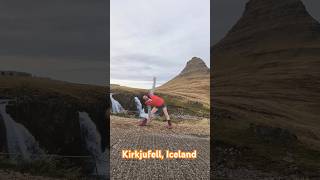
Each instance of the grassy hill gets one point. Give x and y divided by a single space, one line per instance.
192 83
188 93
15 86
177 104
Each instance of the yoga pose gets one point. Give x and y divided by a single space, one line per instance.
157 103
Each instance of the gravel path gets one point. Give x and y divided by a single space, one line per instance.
125 134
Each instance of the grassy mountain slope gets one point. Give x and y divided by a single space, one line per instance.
193 82
266 83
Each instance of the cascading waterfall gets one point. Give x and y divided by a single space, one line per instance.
116 106
140 110
20 142
92 139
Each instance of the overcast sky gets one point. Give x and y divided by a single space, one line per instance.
61 39
156 38
225 13
69 39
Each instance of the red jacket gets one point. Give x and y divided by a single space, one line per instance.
154 101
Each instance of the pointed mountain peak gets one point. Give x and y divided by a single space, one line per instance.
195 65
268 22
273 14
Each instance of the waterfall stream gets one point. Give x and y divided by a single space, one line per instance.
92 139
140 110
116 106
20 142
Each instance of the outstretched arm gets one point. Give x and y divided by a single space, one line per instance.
151 93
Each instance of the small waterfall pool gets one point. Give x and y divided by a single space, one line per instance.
20 142
116 106
92 140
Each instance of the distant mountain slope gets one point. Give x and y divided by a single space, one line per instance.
268 26
37 86
266 73
193 82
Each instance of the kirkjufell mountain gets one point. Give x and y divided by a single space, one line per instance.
266 89
192 82
266 22
195 65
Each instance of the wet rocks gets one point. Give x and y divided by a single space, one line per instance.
2 135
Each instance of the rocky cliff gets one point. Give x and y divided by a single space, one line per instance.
195 65
49 110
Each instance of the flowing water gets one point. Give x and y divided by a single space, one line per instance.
20 142
116 106
92 139
140 110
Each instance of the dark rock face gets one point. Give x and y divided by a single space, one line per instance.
49 110
3 145
48 122
55 123
273 135
195 65
127 100
285 22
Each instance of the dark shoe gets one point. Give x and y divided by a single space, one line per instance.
143 122
169 126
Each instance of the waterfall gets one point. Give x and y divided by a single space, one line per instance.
140 110
20 142
116 106
92 139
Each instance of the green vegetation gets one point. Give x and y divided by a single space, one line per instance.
187 106
177 104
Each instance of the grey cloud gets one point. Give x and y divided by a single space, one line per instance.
54 28
64 30
140 67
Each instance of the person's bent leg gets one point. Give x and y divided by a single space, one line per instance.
165 112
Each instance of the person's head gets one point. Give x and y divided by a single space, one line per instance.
145 97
